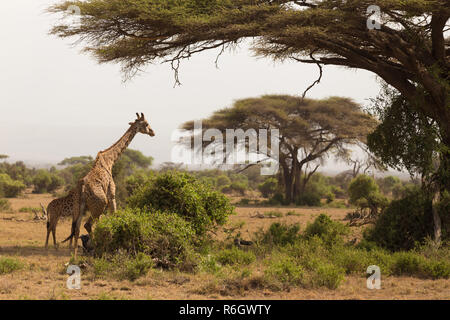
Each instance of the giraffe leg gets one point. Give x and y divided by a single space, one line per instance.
48 235
112 206
88 225
76 235
54 237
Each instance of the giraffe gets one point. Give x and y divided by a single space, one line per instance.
97 188
61 207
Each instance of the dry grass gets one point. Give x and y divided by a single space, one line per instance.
42 276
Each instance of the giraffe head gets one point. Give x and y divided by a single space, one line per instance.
142 125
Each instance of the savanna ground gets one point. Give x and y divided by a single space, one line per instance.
43 273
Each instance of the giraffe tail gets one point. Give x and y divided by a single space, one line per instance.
45 215
72 234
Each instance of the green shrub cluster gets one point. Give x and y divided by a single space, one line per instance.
235 256
403 223
45 181
8 265
5 205
10 188
329 231
166 237
123 266
183 194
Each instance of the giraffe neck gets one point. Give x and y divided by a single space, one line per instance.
108 157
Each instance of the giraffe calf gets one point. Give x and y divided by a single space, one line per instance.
61 207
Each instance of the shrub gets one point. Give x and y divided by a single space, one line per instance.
308 198
365 194
123 266
181 193
276 200
135 267
284 269
268 187
403 223
330 197
414 264
10 188
5 205
8 265
329 231
327 275
279 234
166 237
29 209
235 256
44 181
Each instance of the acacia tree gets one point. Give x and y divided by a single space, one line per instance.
410 50
309 131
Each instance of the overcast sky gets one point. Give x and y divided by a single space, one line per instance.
56 102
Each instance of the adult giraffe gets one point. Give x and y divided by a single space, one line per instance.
97 188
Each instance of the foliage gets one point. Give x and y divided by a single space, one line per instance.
83 160
235 256
406 138
5 205
181 193
302 123
45 181
10 188
8 265
166 237
279 234
403 223
326 229
268 187
365 194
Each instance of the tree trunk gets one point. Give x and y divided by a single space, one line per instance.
436 218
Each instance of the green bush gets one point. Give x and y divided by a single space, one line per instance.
285 269
166 237
29 209
122 266
8 265
327 275
276 200
269 187
5 205
10 188
279 234
329 231
181 193
414 264
45 181
235 256
403 223
308 198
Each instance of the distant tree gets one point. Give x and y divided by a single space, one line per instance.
365 194
129 161
10 188
310 130
388 183
268 188
3 156
76 160
45 181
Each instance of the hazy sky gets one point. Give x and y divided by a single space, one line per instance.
56 102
